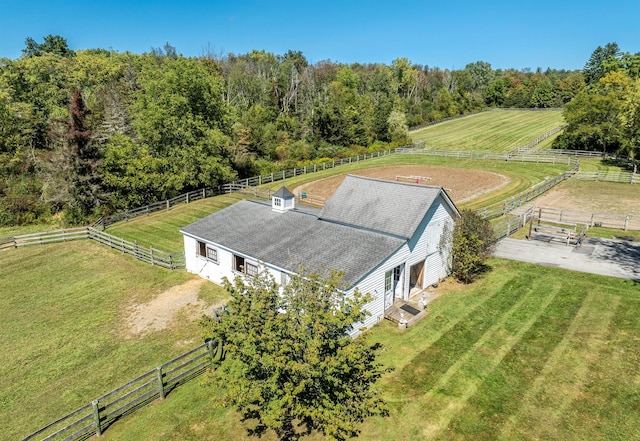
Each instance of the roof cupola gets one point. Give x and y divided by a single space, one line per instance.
282 200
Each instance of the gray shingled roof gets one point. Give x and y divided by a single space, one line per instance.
389 207
294 238
284 193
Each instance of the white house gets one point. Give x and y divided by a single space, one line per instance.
384 236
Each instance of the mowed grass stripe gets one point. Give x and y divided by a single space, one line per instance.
498 131
611 393
462 380
500 394
561 380
435 361
459 308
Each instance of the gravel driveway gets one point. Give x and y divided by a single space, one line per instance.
606 257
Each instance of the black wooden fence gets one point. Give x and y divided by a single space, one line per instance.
96 416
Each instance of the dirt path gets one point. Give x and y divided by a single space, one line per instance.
461 184
158 313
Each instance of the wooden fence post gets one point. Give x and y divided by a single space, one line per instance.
210 348
167 204
160 381
151 254
96 417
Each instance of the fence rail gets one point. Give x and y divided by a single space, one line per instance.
44 237
148 254
609 176
502 208
471 154
592 219
532 144
241 185
509 224
93 418
575 153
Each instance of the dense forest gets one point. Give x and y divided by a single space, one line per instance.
88 132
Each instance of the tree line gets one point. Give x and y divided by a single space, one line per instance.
605 115
87 132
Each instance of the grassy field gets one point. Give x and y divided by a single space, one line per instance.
497 131
62 335
64 339
161 230
529 352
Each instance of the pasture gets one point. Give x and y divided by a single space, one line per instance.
528 352
162 229
67 337
496 131
606 197
67 332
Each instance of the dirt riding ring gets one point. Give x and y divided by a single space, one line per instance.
461 184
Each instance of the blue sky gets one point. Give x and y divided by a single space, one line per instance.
445 34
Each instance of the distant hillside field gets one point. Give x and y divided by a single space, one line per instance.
497 130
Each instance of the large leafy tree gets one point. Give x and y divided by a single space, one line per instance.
630 119
290 364
51 44
471 242
595 67
593 116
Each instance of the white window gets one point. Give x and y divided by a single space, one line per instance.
387 281
251 269
207 251
243 266
277 202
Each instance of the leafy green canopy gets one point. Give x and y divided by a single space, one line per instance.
473 242
290 364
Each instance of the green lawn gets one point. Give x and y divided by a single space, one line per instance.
63 333
162 229
529 352
497 131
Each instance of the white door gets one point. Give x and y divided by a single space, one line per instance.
398 279
388 289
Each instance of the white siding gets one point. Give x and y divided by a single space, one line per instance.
215 272
423 246
436 266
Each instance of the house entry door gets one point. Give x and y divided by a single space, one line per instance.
388 289
393 286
